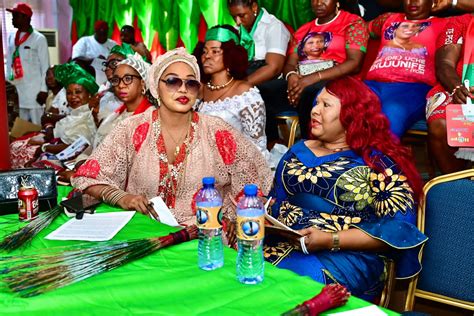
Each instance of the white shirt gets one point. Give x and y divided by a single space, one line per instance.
271 36
34 58
88 47
60 102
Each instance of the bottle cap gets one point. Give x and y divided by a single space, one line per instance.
208 181
250 190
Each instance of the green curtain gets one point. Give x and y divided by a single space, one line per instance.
173 19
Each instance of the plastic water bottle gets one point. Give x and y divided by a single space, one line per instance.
250 233
209 221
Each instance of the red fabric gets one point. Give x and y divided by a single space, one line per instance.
116 34
348 31
100 25
139 135
73 34
202 29
23 8
138 31
89 169
409 57
226 145
156 47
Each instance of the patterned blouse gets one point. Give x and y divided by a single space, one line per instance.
340 192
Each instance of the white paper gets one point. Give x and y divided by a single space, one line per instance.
276 223
366 311
166 217
92 227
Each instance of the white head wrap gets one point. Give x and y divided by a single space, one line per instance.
136 62
164 61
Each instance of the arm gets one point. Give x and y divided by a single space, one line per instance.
43 56
463 5
274 66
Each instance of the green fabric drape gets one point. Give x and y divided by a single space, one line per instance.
173 19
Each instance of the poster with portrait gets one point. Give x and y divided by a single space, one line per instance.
311 52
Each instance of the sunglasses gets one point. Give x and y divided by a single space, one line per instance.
112 64
127 80
174 83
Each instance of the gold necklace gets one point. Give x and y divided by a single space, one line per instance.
180 140
218 87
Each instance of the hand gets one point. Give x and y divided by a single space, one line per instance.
440 5
292 82
297 88
461 94
37 140
41 97
316 239
94 106
230 232
138 203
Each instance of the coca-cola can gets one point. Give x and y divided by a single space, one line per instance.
28 203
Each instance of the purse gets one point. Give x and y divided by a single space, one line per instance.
44 180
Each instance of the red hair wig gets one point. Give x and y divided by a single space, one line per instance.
368 129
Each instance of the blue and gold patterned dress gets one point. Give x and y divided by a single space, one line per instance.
339 192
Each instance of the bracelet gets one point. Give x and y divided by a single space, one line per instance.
43 147
455 89
454 3
111 195
289 74
303 245
335 242
320 77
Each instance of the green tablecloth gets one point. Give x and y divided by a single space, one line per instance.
167 282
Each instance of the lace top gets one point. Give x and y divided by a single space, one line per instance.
245 112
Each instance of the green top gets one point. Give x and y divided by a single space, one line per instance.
168 282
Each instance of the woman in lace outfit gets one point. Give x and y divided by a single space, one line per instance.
167 151
225 94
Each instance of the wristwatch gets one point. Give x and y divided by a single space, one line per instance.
335 242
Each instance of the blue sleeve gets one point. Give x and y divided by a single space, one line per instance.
395 217
278 190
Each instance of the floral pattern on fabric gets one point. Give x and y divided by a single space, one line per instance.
334 223
89 169
356 183
357 35
139 135
226 146
289 214
277 252
391 193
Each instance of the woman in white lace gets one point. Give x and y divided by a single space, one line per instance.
224 94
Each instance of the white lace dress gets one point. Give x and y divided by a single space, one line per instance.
245 112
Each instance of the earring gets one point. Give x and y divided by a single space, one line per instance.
254 13
143 91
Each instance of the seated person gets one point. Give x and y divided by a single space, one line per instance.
128 82
453 65
226 95
56 102
346 51
168 150
80 85
404 71
266 39
127 36
351 191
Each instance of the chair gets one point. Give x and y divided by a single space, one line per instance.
288 123
389 283
447 266
418 135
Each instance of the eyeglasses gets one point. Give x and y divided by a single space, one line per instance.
112 64
127 80
174 83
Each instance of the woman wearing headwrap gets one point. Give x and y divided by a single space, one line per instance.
80 85
225 94
166 152
128 82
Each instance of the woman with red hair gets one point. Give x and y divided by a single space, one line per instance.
225 93
351 192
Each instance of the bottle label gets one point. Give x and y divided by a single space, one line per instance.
250 228
209 217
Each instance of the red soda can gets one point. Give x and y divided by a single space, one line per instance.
28 203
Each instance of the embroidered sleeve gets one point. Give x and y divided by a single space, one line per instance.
109 163
253 119
357 35
391 194
375 26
